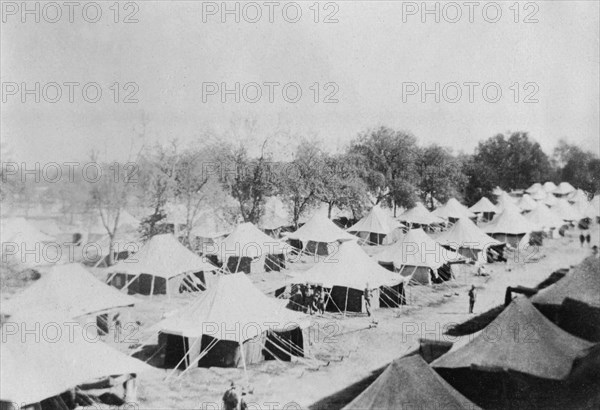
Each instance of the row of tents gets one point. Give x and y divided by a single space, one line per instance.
523 358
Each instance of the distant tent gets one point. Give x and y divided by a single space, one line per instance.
485 207
563 189
577 196
574 301
319 235
453 210
419 215
23 244
248 249
524 341
535 188
346 273
47 226
545 220
506 201
566 211
323 210
127 222
37 368
409 383
469 240
550 200
211 224
275 216
539 195
161 266
510 227
415 256
549 187
375 226
527 203
69 289
232 324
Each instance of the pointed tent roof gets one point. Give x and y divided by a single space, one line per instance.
275 215
592 209
539 195
20 230
415 248
465 234
419 215
506 201
511 222
249 241
69 289
520 339
232 309
453 209
549 186
350 267
537 187
527 203
578 195
566 211
162 256
484 205
33 370
581 284
408 382
323 210
543 218
564 188
376 221
319 228
550 200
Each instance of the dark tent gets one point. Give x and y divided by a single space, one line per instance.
410 383
521 340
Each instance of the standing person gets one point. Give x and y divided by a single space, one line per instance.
588 239
581 239
321 301
303 290
472 297
367 296
231 398
310 300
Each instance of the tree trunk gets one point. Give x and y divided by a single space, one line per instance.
111 248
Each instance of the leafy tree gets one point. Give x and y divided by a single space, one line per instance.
440 174
387 158
578 167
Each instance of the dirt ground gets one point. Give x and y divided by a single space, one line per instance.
343 350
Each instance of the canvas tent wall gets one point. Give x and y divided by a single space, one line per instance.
319 235
549 186
374 227
415 256
69 289
214 331
566 211
161 266
469 240
485 208
249 250
563 189
509 227
346 274
34 369
409 383
574 302
527 203
545 220
275 216
419 216
453 210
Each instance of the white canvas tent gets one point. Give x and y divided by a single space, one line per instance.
545 220
319 234
162 265
468 240
375 226
510 227
563 189
566 211
549 187
485 207
350 268
69 289
232 310
535 188
419 215
453 210
37 368
23 245
527 203
249 245
275 215
416 256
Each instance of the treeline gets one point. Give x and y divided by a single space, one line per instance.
381 165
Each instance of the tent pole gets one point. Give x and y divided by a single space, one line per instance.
346 302
152 286
243 354
237 268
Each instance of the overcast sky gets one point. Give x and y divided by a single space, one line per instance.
370 55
